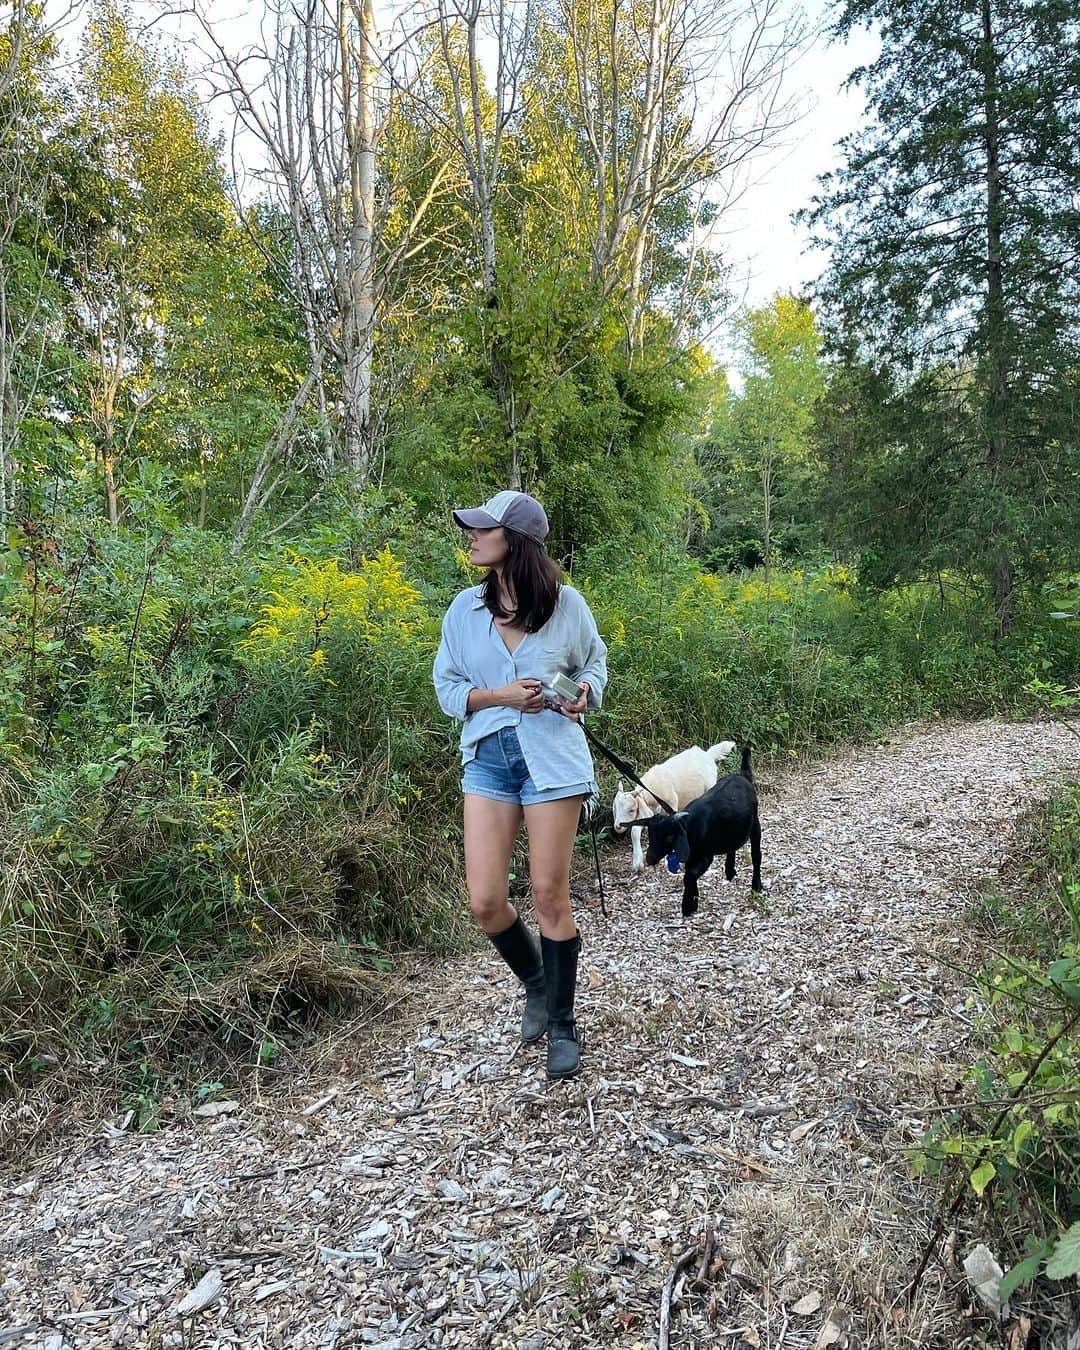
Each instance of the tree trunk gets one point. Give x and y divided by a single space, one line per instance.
359 327
997 391
108 460
766 513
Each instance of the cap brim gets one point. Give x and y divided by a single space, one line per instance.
475 519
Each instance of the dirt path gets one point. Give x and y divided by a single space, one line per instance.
752 1075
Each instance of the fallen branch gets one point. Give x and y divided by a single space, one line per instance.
666 1297
315 1107
699 1281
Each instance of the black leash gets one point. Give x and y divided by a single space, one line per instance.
596 860
625 768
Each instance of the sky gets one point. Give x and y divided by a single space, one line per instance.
767 251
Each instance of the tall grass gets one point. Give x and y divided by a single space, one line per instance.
228 793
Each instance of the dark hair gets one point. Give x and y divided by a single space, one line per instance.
534 579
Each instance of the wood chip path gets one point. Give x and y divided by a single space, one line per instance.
728 1170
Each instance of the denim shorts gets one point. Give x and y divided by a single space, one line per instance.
499 771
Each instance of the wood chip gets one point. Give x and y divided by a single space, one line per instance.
419 1175
209 1110
209 1289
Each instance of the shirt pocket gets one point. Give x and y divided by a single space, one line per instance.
553 656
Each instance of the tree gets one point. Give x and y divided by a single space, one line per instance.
160 208
33 221
595 139
955 247
770 425
232 363
657 106
319 95
478 125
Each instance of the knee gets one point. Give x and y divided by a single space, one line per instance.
487 907
551 898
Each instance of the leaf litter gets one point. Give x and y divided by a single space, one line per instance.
729 1169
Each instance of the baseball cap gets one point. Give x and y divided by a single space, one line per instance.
515 510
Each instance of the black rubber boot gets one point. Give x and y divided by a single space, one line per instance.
517 947
560 977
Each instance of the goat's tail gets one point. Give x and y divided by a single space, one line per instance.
744 767
720 751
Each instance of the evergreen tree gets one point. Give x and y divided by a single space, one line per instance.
955 239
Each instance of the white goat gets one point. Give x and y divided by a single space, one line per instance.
679 780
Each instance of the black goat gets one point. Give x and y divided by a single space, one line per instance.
721 821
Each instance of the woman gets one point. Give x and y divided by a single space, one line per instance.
523 753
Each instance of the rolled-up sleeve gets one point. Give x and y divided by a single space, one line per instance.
452 686
593 651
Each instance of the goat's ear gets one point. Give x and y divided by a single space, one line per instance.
618 788
682 847
645 821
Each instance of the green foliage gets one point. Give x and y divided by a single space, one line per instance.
190 790
952 226
761 454
805 660
602 439
1021 1149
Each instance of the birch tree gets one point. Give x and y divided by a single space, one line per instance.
317 93
664 98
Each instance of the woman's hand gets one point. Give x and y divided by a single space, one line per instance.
525 695
575 710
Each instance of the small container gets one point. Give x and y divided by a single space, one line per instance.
567 688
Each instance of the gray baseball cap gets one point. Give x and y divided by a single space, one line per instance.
516 510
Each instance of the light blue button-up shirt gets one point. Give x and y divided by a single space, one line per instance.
473 655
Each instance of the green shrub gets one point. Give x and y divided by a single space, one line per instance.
1019 1152
215 764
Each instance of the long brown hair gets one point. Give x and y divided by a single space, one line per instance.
534 578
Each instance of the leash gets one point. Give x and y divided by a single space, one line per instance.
624 768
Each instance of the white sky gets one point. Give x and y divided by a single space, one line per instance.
767 251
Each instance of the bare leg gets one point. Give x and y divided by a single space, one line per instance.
490 830
552 827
